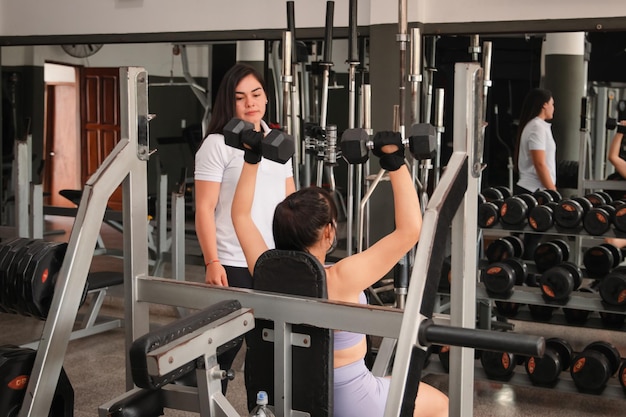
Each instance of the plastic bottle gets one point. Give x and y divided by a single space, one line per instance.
261 409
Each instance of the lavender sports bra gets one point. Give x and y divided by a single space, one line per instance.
345 340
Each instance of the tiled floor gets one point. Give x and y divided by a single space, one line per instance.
95 365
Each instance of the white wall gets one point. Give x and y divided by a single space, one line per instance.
64 17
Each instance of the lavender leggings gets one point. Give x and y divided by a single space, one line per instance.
358 392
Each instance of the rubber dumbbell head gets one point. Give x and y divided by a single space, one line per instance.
596 199
606 196
549 254
619 219
504 247
545 371
232 132
568 213
506 191
423 141
558 282
599 260
355 146
492 194
598 220
488 214
612 287
501 277
543 197
514 211
498 365
594 366
541 217
278 146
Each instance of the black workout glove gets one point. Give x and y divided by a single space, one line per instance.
251 143
389 161
621 129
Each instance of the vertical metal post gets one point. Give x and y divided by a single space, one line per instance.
352 61
439 126
468 128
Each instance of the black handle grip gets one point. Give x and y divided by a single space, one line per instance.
352 36
516 343
291 27
328 33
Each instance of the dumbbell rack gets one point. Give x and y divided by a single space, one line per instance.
533 296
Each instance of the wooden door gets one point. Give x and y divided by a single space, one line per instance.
100 120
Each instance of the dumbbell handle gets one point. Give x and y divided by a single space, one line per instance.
515 343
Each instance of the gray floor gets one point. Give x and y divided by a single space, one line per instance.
95 365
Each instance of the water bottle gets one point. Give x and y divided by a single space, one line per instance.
261 409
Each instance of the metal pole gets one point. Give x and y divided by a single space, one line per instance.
352 61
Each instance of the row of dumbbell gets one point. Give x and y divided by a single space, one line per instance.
595 212
555 275
591 369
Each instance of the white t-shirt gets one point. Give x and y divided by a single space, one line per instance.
536 136
218 162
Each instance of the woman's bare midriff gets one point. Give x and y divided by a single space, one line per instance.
349 355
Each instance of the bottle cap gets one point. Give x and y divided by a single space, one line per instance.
261 398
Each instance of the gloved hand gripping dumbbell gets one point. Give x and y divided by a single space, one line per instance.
276 146
356 143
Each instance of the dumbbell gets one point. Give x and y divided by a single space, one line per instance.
598 219
276 146
558 282
611 124
592 368
504 247
488 212
541 217
499 365
612 287
356 143
600 259
551 253
545 371
515 209
501 277
619 218
569 212
547 196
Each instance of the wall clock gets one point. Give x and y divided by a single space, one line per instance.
82 50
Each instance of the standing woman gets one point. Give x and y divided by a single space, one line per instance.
241 94
535 146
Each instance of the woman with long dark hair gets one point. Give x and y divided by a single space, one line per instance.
535 149
241 94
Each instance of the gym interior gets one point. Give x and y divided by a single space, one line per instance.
105 104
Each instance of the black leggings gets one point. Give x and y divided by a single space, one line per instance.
240 278
531 240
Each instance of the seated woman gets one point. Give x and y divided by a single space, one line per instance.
306 221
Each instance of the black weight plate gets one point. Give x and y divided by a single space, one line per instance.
499 278
613 289
45 274
507 309
568 214
518 245
519 268
498 250
13 289
35 252
557 283
595 199
606 196
543 197
492 194
488 215
556 196
541 218
563 348
505 191
21 259
598 261
541 312
547 255
608 350
597 221
564 247
543 371
590 371
498 365
514 211
529 200
615 251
